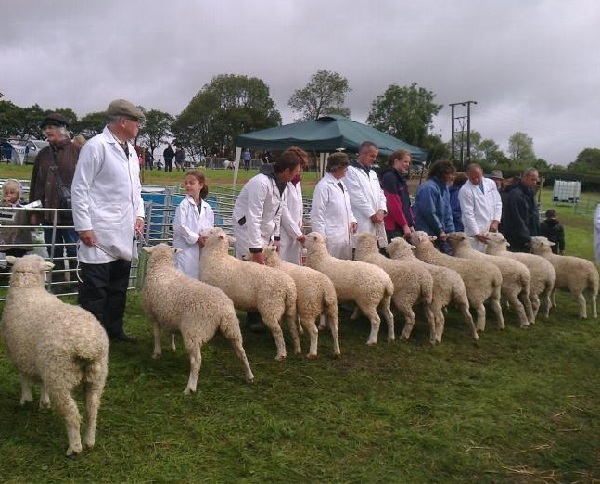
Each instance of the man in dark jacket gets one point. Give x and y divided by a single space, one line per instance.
522 217
399 220
554 231
168 155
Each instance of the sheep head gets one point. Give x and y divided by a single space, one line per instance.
420 238
496 242
272 258
541 245
28 271
399 248
458 239
216 238
162 253
366 241
313 241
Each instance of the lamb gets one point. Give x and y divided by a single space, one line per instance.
412 283
56 343
543 275
316 296
482 280
176 302
572 273
448 287
516 280
365 284
251 286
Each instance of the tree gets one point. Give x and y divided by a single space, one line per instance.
91 124
156 129
224 108
436 148
520 148
405 112
588 160
22 123
324 94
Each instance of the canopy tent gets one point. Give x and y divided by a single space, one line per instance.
325 135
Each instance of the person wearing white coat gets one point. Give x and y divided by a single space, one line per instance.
290 249
108 211
192 215
331 214
481 206
366 196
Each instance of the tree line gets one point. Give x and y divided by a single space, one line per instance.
230 105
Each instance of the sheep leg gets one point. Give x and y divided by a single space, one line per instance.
526 301
44 398
582 305
157 349
277 333
409 323
313 332
438 328
384 307
497 310
594 313
172 342
93 390
516 304
464 309
480 310
66 406
373 317
547 298
195 363
25 389
241 354
535 304
354 314
429 314
322 321
293 325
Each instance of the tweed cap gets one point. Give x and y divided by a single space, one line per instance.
125 109
54 119
496 174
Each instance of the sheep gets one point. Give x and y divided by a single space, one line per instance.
251 286
316 296
543 275
176 302
572 273
412 283
448 287
365 284
482 280
516 279
56 343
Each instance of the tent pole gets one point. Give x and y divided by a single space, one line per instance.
236 164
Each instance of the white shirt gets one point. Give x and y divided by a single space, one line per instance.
291 225
188 223
479 208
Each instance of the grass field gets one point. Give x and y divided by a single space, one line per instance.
519 405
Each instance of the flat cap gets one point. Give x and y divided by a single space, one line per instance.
496 174
54 119
122 107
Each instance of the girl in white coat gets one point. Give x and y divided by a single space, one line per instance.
290 249
331 214
191 216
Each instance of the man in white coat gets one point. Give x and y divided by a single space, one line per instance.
108 211
366 196
481 206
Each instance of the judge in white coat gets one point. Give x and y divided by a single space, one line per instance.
331 213
192 215
366 196
481 206
108 211
290 249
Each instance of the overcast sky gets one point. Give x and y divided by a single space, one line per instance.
532 65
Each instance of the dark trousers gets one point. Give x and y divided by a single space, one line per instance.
169 164
63 237
103 292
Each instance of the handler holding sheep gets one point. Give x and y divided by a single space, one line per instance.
108 211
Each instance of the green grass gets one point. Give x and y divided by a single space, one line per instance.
516 406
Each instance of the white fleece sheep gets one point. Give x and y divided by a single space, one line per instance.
365 284
543 275
176 302
482 279
56 343
448 287
516 279
251 287
572 273
413 284
316 296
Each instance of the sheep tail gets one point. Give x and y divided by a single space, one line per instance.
330 304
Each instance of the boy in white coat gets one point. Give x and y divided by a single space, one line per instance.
290 249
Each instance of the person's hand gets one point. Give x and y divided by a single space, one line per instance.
407 231
276 244
88 237
139 225
353 227
482 238
377 217
258 257
301 239
201 241
443 236
494 226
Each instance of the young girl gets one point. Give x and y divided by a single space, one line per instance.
11 197
191 216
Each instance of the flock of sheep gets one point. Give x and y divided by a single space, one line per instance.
64 346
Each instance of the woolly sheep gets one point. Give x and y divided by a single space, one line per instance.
543 275
448 287
316 296
516 279
412 283
365 284
56 343
251 286
176 302
572 273
482 280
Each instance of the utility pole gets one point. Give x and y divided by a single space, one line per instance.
460 118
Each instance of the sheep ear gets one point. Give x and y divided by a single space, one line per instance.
47 265
231 239
433 238
148 249
11 259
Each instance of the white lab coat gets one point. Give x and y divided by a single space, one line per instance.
106 198
291 225
257 212
597 234
366 197
331 216
479 209
186 229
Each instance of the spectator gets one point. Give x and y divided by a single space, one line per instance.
399 220
481 206
79 140
109 213
168 155
459 180
266 157
247 158
148 159
13 239
331 213
522 217
54 167
180 158
366 196
433 213
554 231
